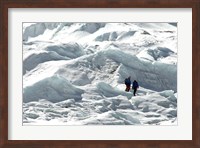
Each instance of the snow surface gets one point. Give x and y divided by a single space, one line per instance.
73 73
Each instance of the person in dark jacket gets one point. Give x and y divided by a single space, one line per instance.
135 86
128 84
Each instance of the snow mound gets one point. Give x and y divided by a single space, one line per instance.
70 50
119 102
51 52
35 59
108 91
67 103
155 54
53 89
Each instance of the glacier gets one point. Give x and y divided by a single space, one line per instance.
73 73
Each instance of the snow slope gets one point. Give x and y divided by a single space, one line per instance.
73 73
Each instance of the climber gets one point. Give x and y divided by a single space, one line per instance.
127 83
135 86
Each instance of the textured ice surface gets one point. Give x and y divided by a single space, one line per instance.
73 73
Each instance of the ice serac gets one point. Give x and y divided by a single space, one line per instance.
156 54
91 27
35 59
54 89
71 50
51 52
156 76
37 29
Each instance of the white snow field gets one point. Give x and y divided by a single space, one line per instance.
73 73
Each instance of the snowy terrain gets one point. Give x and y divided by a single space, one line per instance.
73 73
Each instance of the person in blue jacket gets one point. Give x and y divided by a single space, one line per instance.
128 84
135 86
